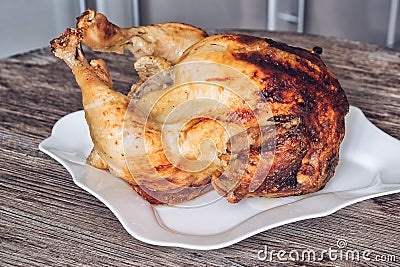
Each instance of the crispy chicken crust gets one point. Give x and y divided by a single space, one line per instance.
294 151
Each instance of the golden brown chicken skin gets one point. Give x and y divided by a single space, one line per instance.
295 84
285 129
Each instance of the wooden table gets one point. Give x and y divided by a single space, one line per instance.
46 220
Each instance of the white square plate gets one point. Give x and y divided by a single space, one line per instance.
369 167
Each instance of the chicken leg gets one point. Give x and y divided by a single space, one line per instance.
117 137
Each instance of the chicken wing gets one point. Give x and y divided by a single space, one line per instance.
146 67
167 40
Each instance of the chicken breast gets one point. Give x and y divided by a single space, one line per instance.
292 83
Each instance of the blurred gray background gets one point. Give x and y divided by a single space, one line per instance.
27 24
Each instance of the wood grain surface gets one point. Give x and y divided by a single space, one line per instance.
46 220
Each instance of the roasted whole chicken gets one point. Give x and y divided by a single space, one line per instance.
243 115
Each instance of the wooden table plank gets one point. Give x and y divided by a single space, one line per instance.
46 220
